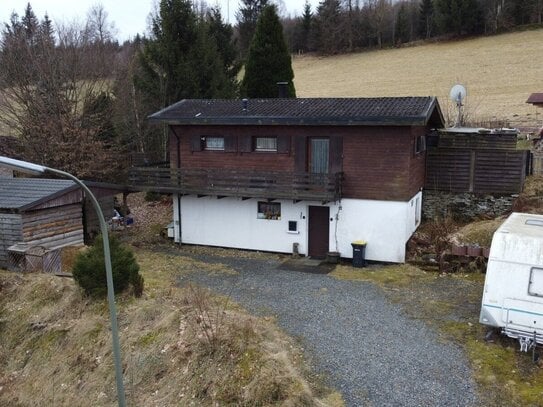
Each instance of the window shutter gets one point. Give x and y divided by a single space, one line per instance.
336 154
245 144
230 144
300 153
195 143
283 144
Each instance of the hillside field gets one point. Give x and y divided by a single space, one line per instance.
499 73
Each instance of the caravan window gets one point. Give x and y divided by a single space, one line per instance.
535 286
534 222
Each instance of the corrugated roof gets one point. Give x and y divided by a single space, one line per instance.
535 98
303 111
17 193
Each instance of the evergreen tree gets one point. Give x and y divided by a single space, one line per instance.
306 20
402 25
247 17
268 61
329 37
226 45
426 19
458 17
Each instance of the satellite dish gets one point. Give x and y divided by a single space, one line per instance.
458 94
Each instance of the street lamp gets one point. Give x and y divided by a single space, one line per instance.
31 168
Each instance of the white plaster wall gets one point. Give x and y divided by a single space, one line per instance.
384 225
232 222
176 219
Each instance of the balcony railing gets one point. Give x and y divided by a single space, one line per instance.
239 183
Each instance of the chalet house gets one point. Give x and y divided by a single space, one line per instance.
311 175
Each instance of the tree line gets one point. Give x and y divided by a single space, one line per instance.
348 25
78 100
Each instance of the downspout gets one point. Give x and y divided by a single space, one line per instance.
178 155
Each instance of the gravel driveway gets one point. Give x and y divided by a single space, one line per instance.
365 346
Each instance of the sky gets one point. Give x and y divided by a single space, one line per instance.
129 16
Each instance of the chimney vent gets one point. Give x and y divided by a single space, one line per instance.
282 90
244 104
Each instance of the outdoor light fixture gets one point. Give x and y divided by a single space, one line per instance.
36 169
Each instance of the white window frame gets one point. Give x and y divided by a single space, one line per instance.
264 140
270 214
214 143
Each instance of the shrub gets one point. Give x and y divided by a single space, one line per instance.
90 272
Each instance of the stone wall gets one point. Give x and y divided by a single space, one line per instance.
464 206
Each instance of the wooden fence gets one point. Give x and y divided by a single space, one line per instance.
483 164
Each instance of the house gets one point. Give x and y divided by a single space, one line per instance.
307 175
39 212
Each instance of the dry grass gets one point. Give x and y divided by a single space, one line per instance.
531 198
180 346
499 72
479 233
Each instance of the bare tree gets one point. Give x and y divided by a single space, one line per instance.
50 101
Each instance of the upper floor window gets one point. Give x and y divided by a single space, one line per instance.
420 144
214 143
266 144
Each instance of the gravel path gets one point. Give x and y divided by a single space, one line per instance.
366 347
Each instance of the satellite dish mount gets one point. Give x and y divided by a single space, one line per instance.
458 94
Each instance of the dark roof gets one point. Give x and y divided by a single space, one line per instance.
311 111
535 98
22 193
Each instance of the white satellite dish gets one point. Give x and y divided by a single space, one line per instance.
458 94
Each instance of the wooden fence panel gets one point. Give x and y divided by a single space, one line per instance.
448 170
499 171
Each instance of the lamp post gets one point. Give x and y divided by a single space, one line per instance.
31 168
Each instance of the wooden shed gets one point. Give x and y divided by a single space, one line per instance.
44 213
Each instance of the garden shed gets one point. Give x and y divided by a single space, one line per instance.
44 213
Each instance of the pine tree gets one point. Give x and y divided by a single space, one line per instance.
402 25
426 19
247 17
268 61
306 20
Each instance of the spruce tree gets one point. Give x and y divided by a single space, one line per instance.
268 61
426 19
247 17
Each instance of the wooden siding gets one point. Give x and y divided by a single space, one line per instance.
71 197
377 162
92 225
53 227
10 233
478 163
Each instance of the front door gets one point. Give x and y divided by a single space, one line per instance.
319 231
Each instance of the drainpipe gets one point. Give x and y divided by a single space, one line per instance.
178 155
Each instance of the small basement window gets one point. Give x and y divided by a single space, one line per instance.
214 143
535 286
420 144
269 210
266 144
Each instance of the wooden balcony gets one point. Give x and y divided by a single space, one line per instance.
238 183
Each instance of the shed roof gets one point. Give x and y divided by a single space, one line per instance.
391 111
536 99
24 193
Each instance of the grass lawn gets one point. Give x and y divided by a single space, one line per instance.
499 72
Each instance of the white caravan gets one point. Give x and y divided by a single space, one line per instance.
513 293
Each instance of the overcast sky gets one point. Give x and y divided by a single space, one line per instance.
129 16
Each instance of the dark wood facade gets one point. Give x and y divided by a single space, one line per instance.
367 162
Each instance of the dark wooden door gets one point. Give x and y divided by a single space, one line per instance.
319 231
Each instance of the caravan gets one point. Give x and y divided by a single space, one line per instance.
513 292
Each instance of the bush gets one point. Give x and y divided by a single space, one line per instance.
90 272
